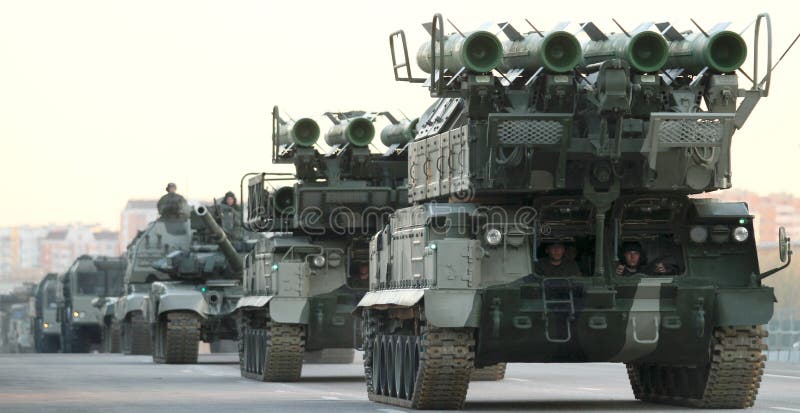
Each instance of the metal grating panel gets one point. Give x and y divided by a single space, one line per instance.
530 132
690 132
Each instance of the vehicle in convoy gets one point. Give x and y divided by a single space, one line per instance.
553 217
197 302
166 234
303 279
46 329
88 278
15 319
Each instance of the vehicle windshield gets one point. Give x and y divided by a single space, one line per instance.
90 283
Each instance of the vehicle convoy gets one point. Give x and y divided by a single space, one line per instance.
15 319
165 235
46 329
88 278
197 302
552 216
303 279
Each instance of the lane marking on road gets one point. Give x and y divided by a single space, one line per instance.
786 409
390 411
516 379
330 398
589 388
782 376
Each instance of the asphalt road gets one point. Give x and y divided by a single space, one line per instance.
114 383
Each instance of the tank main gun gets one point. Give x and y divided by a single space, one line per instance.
220 238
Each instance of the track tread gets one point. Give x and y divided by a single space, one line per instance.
496 372
180 332
446 362
283 350
731 380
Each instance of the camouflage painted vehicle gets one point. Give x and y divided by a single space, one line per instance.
304 278
167 234
88 278
551 161
46 329
198 302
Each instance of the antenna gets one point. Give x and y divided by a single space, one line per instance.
699 28
621 28
455 27
534 28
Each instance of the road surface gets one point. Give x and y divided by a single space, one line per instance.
115 383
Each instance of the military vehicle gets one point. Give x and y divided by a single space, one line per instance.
165 235
552 219
205 285
303 280
15 319
46 329
88 278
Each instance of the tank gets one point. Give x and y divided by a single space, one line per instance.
169 233
306 274
559 225
197 302
46 328
88 279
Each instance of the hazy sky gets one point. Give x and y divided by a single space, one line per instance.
101 101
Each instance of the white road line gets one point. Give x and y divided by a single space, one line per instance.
390 411
330 398
589 388
786 409
783 377
516 379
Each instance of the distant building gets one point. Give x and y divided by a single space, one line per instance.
62 246
135 217
20 249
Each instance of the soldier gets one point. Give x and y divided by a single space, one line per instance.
634 262
172 204
557 264
230 199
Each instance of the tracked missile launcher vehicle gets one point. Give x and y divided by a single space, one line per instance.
46 329
197 303
163 236
86 280
552 216
303 280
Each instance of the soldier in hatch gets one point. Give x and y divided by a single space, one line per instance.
172 204
633 262
556 264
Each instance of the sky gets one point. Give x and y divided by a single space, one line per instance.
102 101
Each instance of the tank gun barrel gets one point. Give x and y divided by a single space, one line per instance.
220 239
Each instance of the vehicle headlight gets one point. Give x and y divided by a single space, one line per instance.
741 234
334 259
698 234
46 325
76 314
493 236
319 261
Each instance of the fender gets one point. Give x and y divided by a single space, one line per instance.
443 308
128 304
290 310
175 298
744 306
